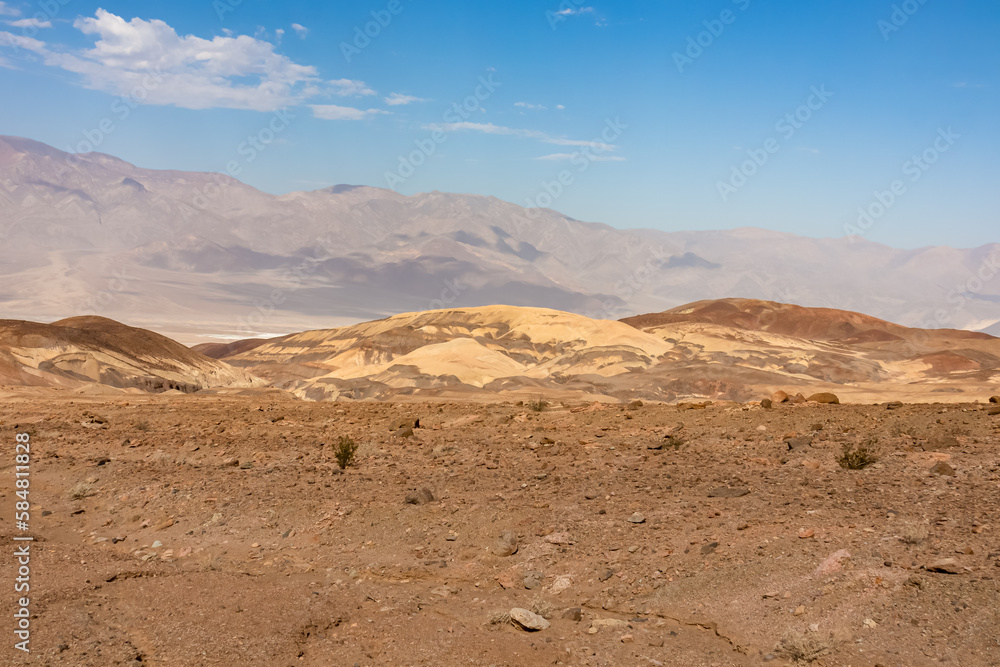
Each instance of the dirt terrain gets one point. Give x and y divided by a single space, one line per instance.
219 530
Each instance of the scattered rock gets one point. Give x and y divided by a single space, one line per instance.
833 563
893 405
590 495
506 544
559 538
800 610
798 398
409 422
403 432
709 548
993 412
945 565
562 583
421 497
942 468
825 398
599 624
635 405
574 614
637 518
728 492
798 442
607 574
533 580
528 620
994 399
780 397
766 404
806 533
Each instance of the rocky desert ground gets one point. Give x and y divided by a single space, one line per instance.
220 530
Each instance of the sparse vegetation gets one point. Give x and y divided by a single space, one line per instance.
142 426
498 618
537 405
913 534
858 457
81 490
346 449
804 647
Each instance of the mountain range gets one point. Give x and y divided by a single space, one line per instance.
202 257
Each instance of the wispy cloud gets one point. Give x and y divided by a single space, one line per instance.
333 112
7 10
240 72
30 23
300 30
563 157
575 12
398 99
490 128
531 107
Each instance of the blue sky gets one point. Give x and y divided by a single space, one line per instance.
673 115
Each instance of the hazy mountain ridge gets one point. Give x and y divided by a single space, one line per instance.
180 253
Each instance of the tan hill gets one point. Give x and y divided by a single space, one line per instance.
735 349
88 352
799 346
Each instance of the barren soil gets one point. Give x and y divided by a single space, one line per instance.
202 530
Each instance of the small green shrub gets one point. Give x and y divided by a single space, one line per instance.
346 448
537 405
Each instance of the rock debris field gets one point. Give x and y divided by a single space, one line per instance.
201 530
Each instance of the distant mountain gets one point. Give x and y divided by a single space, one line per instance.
198 254
88 352
736 349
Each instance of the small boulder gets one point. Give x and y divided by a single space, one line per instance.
637 517
798 398
574 614
766 404
421 497
942 468
893 405
994 399
527 620
506 544
945 565
635 405
825 398
798 442
780 397
993 412
728 492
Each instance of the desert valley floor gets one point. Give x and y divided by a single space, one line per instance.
214 530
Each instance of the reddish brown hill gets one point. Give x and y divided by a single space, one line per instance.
822 324
223 350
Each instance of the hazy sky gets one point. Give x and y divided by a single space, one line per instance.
667 114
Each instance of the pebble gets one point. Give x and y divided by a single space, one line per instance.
421 497
637 518
574 614
942 468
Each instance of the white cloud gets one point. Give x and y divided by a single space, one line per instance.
575 12
332 112
279 33
562 157
532 107
30 23
6 64
560 107
239 72
300 30
349 88
7 10
490 128
397 99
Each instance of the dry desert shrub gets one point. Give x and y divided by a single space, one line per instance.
81 490
804 647
498 618
913 534
346 449
543 608
537 405
857 457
